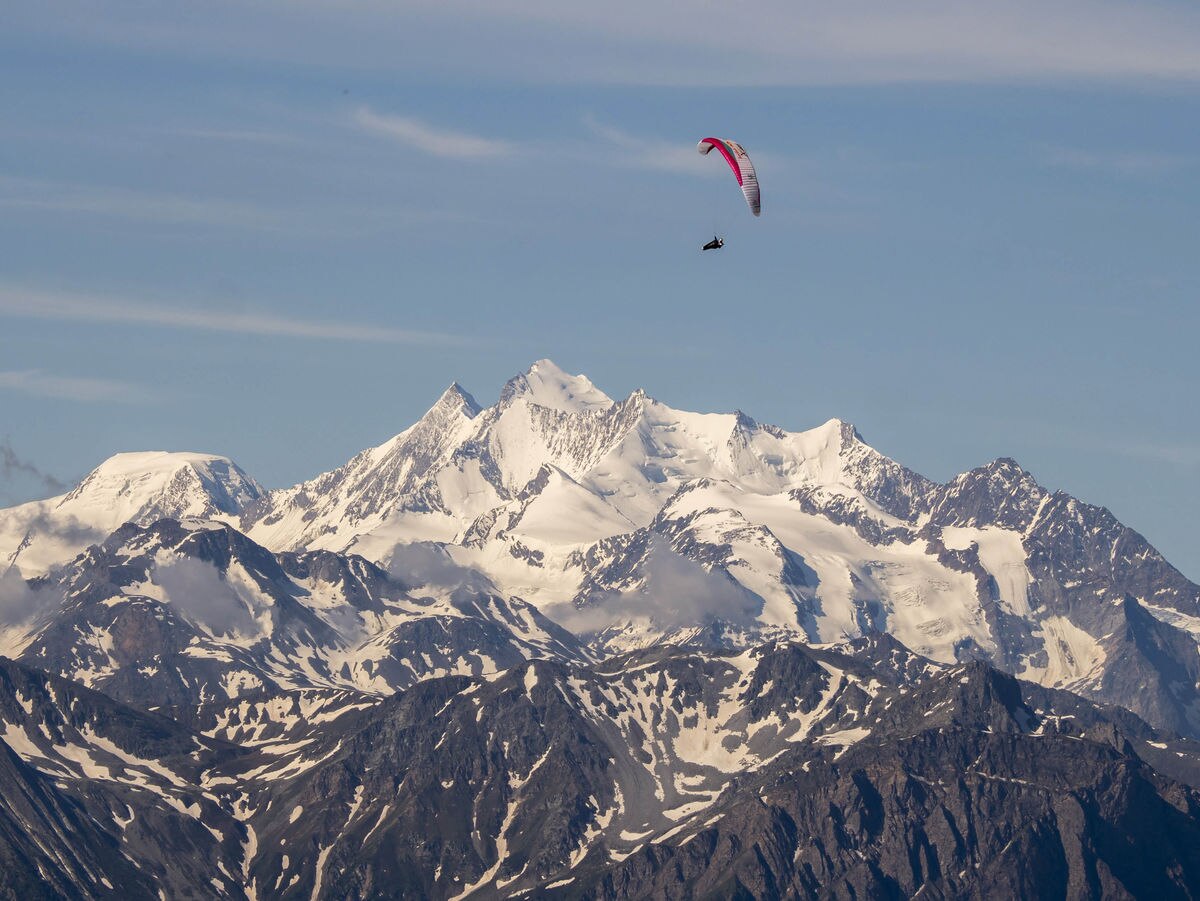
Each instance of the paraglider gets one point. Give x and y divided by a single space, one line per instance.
743 169
739 161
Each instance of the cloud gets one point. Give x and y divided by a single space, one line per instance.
680 157
430 139
196 589
1121 162
164 209
230 135
770 42
325 219
1174 454
1061 435
37 522
678 592
42 384
20 602
28 304
12 466
65 528
427 564
860 41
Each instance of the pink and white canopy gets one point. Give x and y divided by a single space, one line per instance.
739 162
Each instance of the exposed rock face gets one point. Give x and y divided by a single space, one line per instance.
776 772
792 672
99 799
1101 578
657 524
177 615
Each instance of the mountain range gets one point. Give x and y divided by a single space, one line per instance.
571 645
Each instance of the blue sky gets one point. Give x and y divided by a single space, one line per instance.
278 230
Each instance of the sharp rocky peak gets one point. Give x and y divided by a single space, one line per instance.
458 399
1004 469
1001 493
847 431
835 434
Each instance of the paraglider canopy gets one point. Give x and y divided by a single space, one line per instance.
739 162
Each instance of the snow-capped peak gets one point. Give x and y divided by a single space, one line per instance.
130 487
836 433
153 484
545 384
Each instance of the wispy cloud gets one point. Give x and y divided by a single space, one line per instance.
44 384
1122 162
862 41
167 209
651 153
1150 450
19 302
772 42
430 139
231 135
1187 455
319 217
19 600
12 466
